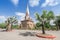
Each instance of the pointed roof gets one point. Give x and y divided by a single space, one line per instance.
27 11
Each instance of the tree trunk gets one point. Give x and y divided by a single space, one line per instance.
57 28
9 27
43 31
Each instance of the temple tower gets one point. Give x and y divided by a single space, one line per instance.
27 23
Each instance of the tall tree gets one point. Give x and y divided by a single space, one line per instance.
45 17
10 21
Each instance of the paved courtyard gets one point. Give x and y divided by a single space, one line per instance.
25 35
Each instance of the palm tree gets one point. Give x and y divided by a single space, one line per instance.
50 15
10 21
45 17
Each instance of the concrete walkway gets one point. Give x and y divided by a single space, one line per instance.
25 35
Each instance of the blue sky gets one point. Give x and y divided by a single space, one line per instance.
18 8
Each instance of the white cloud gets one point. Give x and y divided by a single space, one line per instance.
56 10
35 21
58 14
52 22
34 3
22 15
2 18
15 2
50 3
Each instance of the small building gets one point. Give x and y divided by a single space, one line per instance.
27 23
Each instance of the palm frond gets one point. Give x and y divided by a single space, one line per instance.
38 17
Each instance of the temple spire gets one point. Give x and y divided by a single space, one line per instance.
27 11
27 17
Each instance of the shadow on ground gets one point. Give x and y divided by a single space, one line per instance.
28 34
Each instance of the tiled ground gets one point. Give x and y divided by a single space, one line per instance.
25 35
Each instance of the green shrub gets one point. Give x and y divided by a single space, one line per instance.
15 27
53 28
2 25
